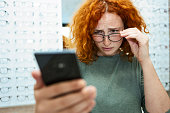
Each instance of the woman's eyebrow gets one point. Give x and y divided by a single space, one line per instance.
98 31
117 28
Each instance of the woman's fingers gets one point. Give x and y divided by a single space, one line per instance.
130 34
82 107
68 102
133 45
39 82
73 99
76 96
89 108
57 89
134 33
138 42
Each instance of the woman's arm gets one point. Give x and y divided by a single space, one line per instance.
156 98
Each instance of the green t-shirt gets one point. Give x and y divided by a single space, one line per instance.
119 84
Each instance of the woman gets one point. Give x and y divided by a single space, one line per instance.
107 34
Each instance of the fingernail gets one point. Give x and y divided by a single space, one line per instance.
82 82
90 90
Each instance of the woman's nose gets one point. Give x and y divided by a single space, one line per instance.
106 41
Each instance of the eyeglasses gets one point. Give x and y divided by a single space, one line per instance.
162 69
5 90
25 88
22 4
47 41
23 78
17 60
114 37
4 32
23 13
27 4
161 47
48 14
45 5
3 23
20 98
24 41
5 70
4 80
5 98
3 13
158 25
24 69
23 98
24 23
24 32
3 4
4 41
49 32
160 10
22 60
27 50
48 23
4 51
4 60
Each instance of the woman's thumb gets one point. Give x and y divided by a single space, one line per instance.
39 82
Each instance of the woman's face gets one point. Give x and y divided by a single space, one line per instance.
109 23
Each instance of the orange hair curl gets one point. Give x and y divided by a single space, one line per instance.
86 19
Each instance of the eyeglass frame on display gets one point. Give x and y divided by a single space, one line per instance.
5 3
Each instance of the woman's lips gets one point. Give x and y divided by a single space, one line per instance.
107 49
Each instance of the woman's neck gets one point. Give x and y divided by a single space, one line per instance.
100 54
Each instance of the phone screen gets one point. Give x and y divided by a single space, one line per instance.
57 66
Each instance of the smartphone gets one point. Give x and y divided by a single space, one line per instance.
58 66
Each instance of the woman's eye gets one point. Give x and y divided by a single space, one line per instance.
95 33
98 32
114 31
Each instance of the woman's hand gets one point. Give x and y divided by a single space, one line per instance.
80 101
138 42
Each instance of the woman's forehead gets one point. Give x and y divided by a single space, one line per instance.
111 28
109 20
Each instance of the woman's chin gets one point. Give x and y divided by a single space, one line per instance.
107 53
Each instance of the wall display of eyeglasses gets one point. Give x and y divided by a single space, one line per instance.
156 15
26 26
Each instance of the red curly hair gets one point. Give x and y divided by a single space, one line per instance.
86 19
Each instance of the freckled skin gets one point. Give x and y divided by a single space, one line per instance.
108 20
